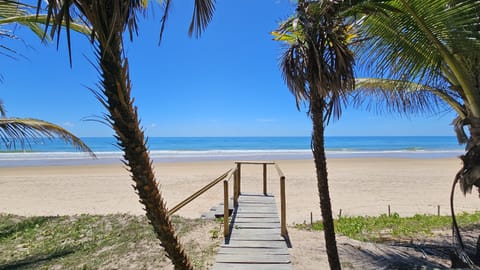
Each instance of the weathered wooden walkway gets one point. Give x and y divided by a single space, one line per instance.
255 241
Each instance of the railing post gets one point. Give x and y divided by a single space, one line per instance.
225 209
265 179
235 188
239 171
283 207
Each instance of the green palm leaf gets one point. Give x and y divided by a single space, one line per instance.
403 97
12 12
21 130
431 42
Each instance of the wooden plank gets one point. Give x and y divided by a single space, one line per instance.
243 250
256 244
257 219
243 209
247 194
233 249
257 215
253 258
257 225
246 197
255 241
256 231
257 203
261 237
231 266
248 202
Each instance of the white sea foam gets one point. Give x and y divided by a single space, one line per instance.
77 158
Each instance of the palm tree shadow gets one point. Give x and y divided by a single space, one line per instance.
37 259
7 231
431 253
398 256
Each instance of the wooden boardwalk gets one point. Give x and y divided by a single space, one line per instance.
255 241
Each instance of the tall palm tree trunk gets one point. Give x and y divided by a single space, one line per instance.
317 105
467 177
124 120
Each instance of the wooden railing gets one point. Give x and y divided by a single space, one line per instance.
226 198
235 173
283 202
198 193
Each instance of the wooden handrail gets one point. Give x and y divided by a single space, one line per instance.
279 171
198 193
255 162
235 172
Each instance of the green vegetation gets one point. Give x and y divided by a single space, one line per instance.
94 242
384 228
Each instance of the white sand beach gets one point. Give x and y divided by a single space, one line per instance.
358 187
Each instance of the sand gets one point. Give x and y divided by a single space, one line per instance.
357 186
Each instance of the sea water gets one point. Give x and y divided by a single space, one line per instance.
171 149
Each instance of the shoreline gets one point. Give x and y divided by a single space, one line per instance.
358 186
39 159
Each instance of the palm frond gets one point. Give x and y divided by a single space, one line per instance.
15 12
459 124
163 21
293 64
65 13
403 97
2 109
20 130
424 40
42 19
202 15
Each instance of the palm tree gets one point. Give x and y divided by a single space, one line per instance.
318 69
108 20
428 54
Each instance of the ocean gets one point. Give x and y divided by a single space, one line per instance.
173 149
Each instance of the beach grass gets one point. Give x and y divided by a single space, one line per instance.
387 228
117 241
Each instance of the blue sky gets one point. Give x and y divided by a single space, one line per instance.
227 83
